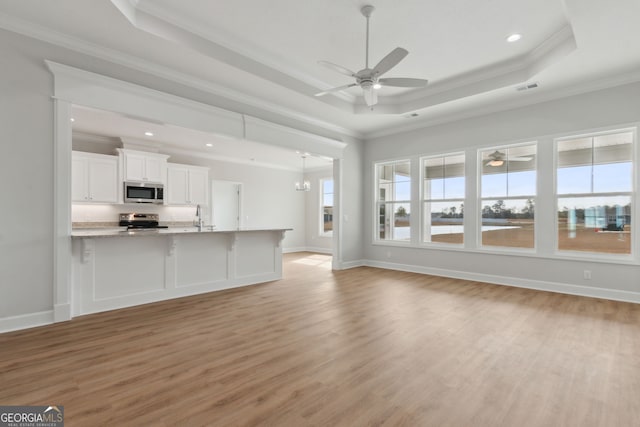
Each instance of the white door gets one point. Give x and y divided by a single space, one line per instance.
225 204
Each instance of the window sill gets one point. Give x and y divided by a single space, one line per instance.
404 244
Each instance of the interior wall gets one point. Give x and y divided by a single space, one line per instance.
26 180
617 106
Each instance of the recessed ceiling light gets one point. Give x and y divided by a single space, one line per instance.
377 85
514 38
209 145
149 133
72 119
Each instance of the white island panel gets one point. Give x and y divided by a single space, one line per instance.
115 269
202 260
124 270
251 259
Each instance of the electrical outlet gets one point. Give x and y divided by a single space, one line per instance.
587 275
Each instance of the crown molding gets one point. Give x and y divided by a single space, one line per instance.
172 150
56 38
93 138
578 89
263 131
156 20
206 32
95 90
496 76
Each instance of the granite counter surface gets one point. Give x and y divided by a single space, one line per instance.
79 233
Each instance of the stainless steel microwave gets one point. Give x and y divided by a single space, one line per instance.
143 192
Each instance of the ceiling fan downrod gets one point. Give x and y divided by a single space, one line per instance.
367 11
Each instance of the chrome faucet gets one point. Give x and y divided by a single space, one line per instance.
198 222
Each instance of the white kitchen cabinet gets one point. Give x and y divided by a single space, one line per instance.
94 178
142 166
186 185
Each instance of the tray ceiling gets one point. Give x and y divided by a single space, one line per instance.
263 55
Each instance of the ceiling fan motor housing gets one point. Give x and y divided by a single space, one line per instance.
368 78
367 10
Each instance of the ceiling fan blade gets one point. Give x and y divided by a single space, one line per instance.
403 82
336 89
390 61
520 159
338 68
370 96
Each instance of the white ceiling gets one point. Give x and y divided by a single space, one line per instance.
264 53
131 132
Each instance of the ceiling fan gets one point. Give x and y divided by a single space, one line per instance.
497 158
369 78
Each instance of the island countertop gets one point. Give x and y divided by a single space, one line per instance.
123 232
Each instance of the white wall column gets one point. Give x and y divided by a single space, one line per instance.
62 212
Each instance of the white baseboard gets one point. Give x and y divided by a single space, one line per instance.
319 250
308 249
345 265
292 250
26 321
563 288
61 312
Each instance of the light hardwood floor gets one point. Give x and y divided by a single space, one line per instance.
362 347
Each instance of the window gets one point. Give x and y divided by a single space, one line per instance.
508 196
326 206
393 201
443 199
594 193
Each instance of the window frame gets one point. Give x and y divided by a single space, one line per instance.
630 258
535 250
321 193
376 240
546 223
423 200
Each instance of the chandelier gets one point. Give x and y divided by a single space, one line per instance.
304 184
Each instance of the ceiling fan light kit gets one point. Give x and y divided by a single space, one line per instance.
369 78
498 158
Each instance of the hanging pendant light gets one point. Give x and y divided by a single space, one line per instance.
304 184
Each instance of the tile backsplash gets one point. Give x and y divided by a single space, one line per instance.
87 213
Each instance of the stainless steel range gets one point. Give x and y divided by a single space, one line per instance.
140 221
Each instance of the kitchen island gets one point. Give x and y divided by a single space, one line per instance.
114 268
